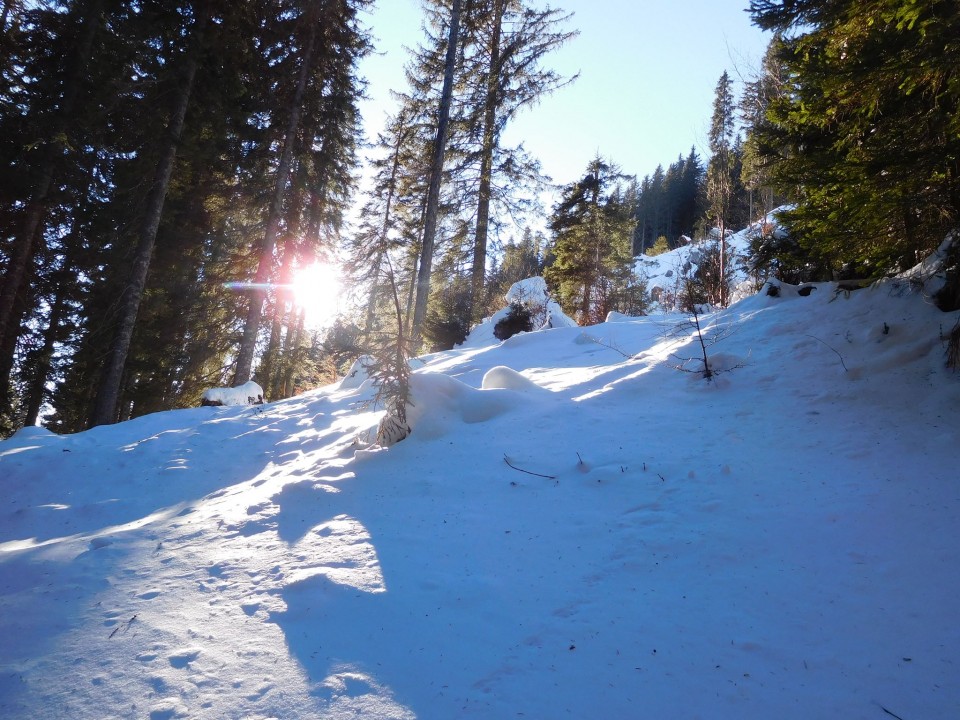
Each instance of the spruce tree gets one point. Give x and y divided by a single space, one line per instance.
436 171
592 227
864 139
108 394
721 171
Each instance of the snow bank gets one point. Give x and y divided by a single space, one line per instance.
247 394
665 273
358 374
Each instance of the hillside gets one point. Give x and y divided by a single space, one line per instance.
575 528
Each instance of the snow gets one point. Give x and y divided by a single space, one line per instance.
780 542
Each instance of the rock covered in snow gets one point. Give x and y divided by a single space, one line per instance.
358 373
250 393
532 294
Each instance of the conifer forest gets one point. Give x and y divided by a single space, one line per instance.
169 168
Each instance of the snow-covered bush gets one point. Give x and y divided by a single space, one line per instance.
517 320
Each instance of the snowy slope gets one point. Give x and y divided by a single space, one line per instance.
781 542
664 274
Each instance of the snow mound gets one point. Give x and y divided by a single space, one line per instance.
614 317
931 272
441 402
32 433
250 393
504 378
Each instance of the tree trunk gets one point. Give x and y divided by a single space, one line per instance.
723 263
491 103
255 312
436 173
292 354
388 209
108 394
37 390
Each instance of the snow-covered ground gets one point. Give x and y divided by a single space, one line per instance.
575 529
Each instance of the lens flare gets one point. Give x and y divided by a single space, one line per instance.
316 288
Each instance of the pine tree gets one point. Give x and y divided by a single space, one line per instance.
721 171
511 40
107 399
865 137
45 87
758 94
436 173
592 226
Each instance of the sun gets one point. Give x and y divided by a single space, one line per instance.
316 288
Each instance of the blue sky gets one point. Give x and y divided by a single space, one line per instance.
648 70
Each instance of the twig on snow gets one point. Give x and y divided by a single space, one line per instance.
890 713
845 368
125 626
528 472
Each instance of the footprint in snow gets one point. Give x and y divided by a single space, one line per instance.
184 657
166 709
250 608
344 684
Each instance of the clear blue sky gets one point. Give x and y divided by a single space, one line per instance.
648 70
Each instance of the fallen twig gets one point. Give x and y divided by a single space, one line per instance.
890 713
832 348
125 626
528 472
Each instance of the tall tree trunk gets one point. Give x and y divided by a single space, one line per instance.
251 328
411 292
273 359
7 352
25 246
37 390
490 105
292 354
436 173
723 263
108 394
